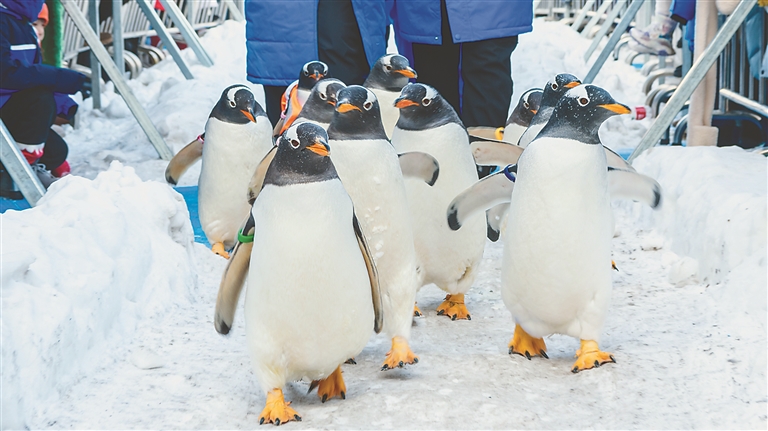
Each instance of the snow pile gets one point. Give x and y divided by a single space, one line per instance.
714 208
178 107
79 272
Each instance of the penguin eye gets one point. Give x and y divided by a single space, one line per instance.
322 96
583 101
425 101
294 143
555 86
232 104
388 67
367 105
306 73
526 105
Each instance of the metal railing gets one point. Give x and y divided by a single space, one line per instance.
736 83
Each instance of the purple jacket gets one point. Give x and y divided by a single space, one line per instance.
21 64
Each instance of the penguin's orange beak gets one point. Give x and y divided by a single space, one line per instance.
616 107
410 73
319 148
346 107
317 76
248 115
404 103
534 111
573 84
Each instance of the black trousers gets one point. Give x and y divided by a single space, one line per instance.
28 115
339 45
485 69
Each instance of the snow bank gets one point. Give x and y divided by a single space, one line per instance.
714 209
78 272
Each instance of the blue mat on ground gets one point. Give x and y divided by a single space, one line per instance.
190 197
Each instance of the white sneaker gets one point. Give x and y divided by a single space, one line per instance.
44 175
656 38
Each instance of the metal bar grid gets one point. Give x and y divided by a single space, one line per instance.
120 83
621 27
693 78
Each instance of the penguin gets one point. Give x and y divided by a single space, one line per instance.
554 89
448 259
388 76
321 104
297 93
237 136
558 237
521 116
369 167
312 297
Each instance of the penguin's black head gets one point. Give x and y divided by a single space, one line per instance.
391 72
237 105
301 157
526 108
556 87
321 103
311 73
357 115
422 107
580 112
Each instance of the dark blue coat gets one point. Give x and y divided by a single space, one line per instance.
282 35
471 20
21 64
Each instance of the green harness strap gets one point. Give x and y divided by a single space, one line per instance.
54 34
244 238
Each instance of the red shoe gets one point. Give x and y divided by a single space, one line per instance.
62 170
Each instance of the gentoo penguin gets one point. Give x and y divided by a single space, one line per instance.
321 104
312 298
521 116
297 93
448 259
388 76
555 277
368 166
237 136
554 89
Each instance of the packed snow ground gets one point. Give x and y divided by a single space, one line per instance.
107 303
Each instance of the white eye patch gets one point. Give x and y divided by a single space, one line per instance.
387 59
291 135
232 91
578 92
431 92
322 86
370 98
527 94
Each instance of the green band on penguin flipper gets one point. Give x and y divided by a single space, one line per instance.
244 238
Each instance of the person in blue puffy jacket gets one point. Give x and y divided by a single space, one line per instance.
281 36
32 94
463 49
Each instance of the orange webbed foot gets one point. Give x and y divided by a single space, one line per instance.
525 345
453 307
400 355
277 410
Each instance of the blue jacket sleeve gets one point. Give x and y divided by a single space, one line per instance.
18 70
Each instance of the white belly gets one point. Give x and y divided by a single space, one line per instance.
371 175
557 260
230 156
448 258
308 306
389 114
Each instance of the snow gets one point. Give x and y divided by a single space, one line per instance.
107 304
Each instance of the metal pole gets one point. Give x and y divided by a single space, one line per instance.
693 77
604 28
237 15
117 35
93 17
592 22
190 36
120 83
621 27
168 41
582 14
18 168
